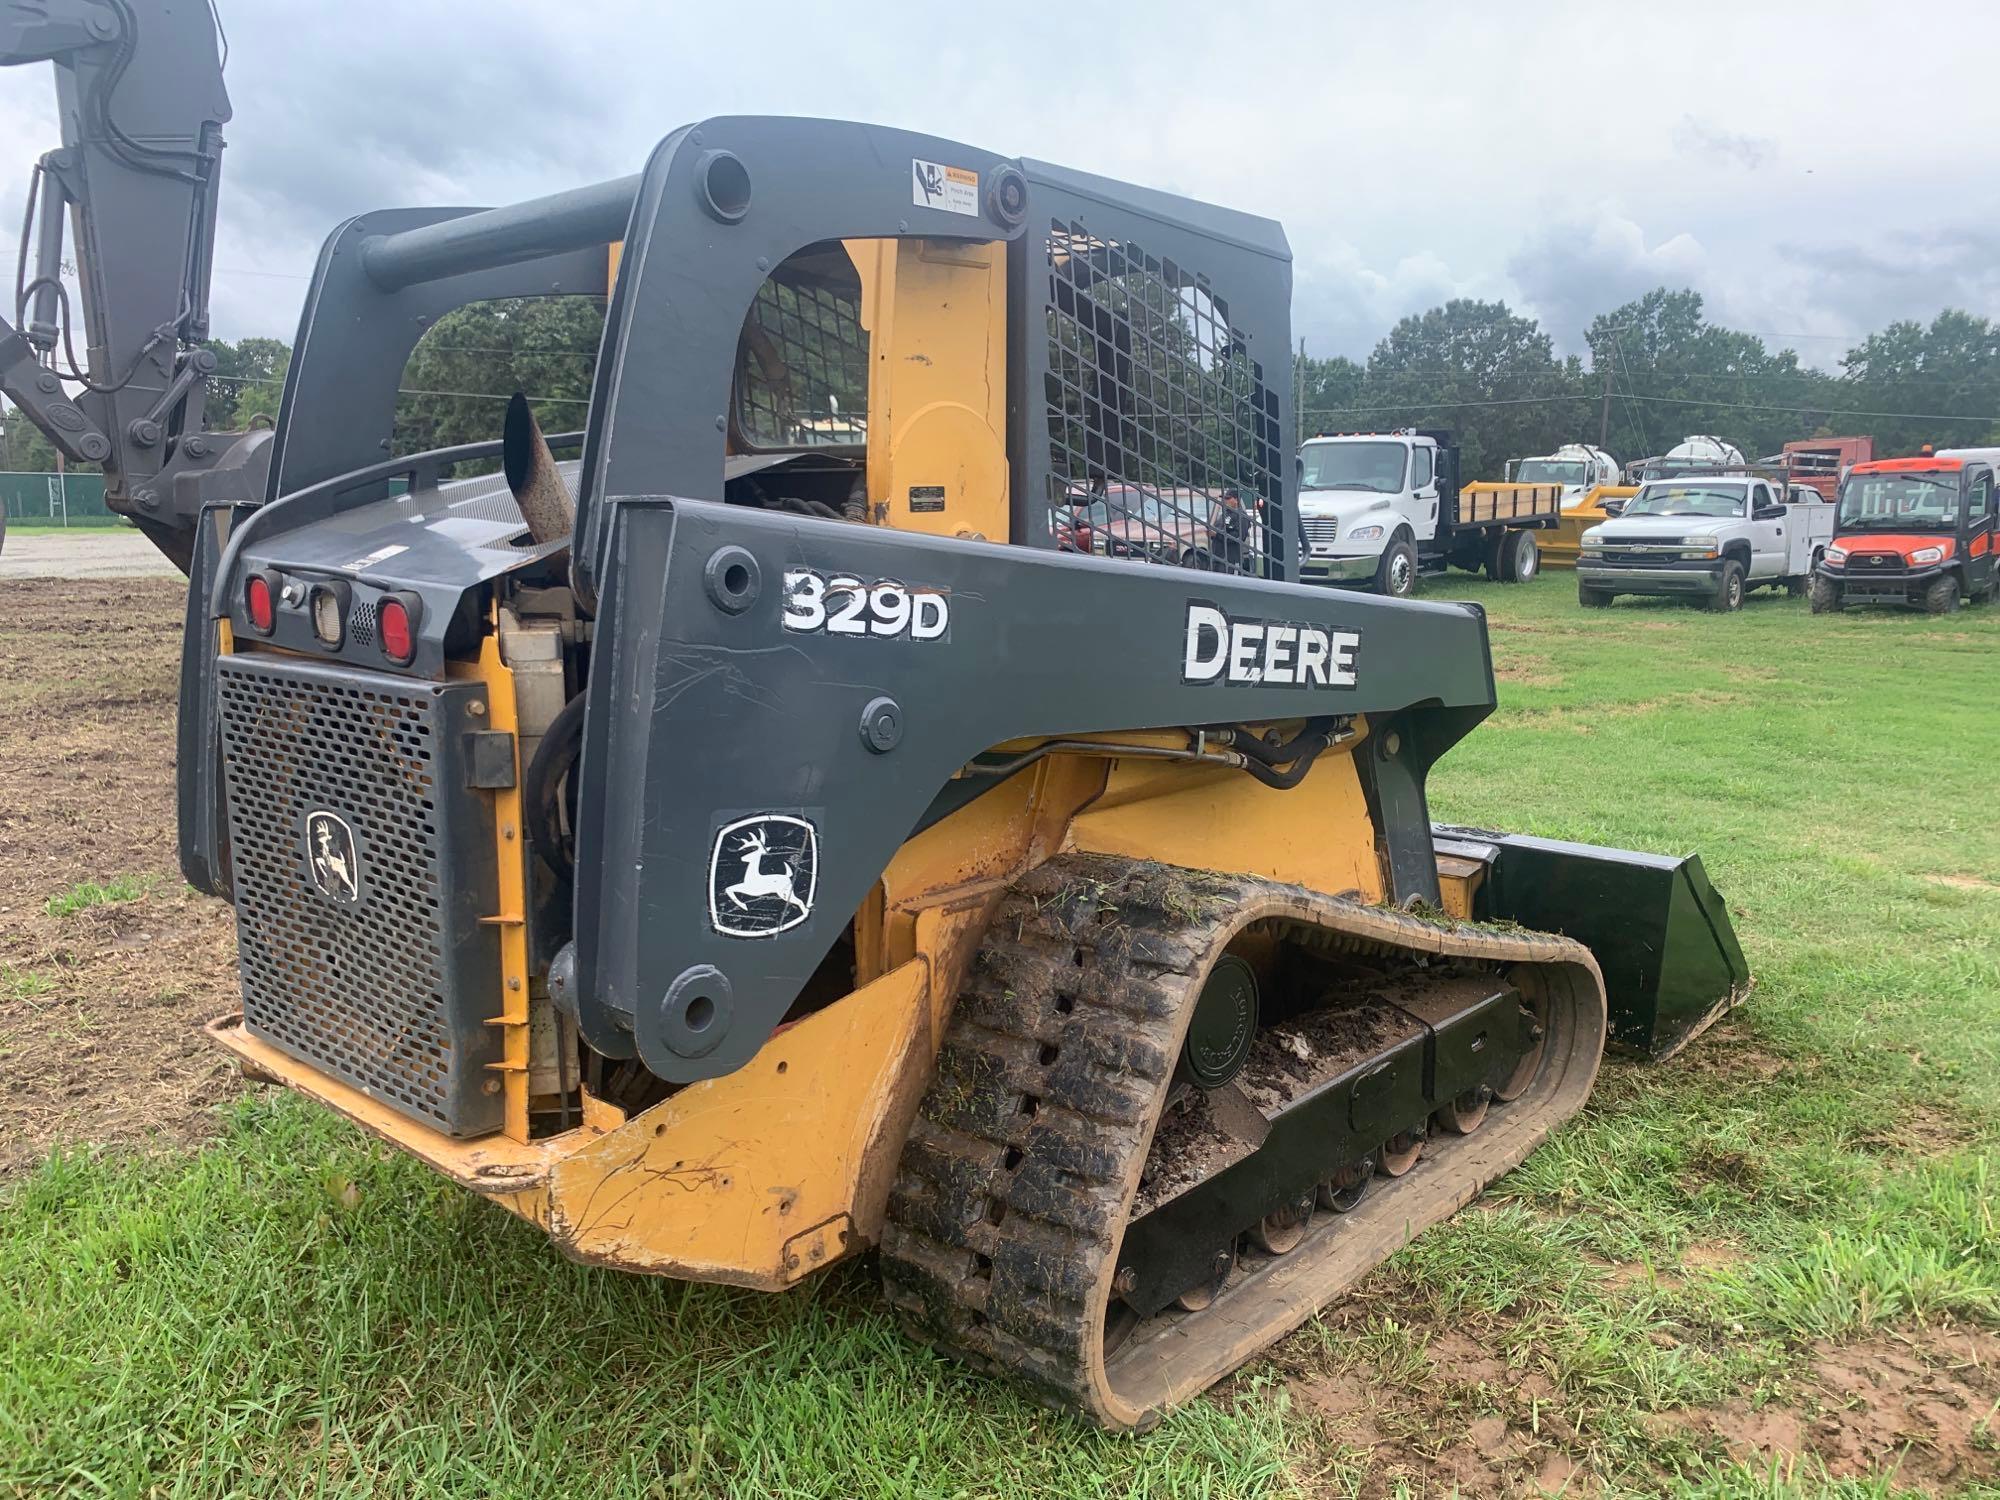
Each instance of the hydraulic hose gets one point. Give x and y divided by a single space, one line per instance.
555 758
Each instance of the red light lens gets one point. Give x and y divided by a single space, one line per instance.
392 627
257 604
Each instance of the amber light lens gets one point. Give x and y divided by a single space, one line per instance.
396 631
258 604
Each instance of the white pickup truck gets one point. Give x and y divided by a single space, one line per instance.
1712 537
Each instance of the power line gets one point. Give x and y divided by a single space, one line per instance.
408 391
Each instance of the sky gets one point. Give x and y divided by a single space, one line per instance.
1560 157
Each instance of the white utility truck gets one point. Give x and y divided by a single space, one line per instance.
1380 508
1711 536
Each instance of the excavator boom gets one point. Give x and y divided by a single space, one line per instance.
142 105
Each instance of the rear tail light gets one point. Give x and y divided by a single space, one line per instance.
396 627
260 602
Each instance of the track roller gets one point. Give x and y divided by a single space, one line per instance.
1281 1231
1346 1188
1400 1152
1465 1113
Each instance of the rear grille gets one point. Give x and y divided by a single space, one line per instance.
362 865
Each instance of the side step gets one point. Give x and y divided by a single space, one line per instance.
1659 931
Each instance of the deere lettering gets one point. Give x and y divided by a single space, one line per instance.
1276 653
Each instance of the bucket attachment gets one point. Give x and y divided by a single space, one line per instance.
1659 931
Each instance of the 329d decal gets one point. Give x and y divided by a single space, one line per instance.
842 604
1221 647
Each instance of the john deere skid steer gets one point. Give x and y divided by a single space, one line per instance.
874 784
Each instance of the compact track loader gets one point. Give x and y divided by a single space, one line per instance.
751 838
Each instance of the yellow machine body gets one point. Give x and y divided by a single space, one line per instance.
764 1175
1559 547
761 1177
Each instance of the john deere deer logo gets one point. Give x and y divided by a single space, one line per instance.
762 875
332 857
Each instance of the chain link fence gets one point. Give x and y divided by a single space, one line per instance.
55 500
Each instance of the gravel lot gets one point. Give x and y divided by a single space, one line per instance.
85 552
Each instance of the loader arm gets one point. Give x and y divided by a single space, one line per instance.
142 106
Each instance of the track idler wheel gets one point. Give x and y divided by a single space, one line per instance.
1530 1064
1466 1113
1281 1231
1400 1152
1347 1187
1223 1026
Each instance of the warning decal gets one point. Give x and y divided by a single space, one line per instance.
953 189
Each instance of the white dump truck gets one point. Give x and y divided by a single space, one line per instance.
1381 508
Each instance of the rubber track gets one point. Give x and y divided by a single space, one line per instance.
1011 1196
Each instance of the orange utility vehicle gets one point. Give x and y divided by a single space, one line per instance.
1917 532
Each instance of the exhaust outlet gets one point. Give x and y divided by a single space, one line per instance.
531 474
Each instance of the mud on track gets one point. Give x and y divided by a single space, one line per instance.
101 1008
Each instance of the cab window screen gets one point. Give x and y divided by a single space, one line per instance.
802 362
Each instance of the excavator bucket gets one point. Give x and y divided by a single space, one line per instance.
1658 930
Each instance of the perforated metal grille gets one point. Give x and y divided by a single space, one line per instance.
361 624
802 368
1157 414
356 986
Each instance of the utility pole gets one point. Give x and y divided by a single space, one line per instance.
1604 414
1299 392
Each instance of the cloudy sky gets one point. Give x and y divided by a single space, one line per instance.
1815 169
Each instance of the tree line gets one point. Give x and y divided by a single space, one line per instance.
1492 377
1488 374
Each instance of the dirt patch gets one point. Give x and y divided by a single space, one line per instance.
1934 1393
101 1003
1458 1414
1708 1255
1528 677
1964 882
1478 1409
1920 1404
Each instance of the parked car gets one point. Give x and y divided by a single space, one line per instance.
1078 524
1166 525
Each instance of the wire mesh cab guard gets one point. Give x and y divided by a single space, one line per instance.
1145 328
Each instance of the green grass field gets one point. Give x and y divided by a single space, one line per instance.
291 1311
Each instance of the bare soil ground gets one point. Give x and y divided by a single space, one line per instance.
101 1008
1485 1416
